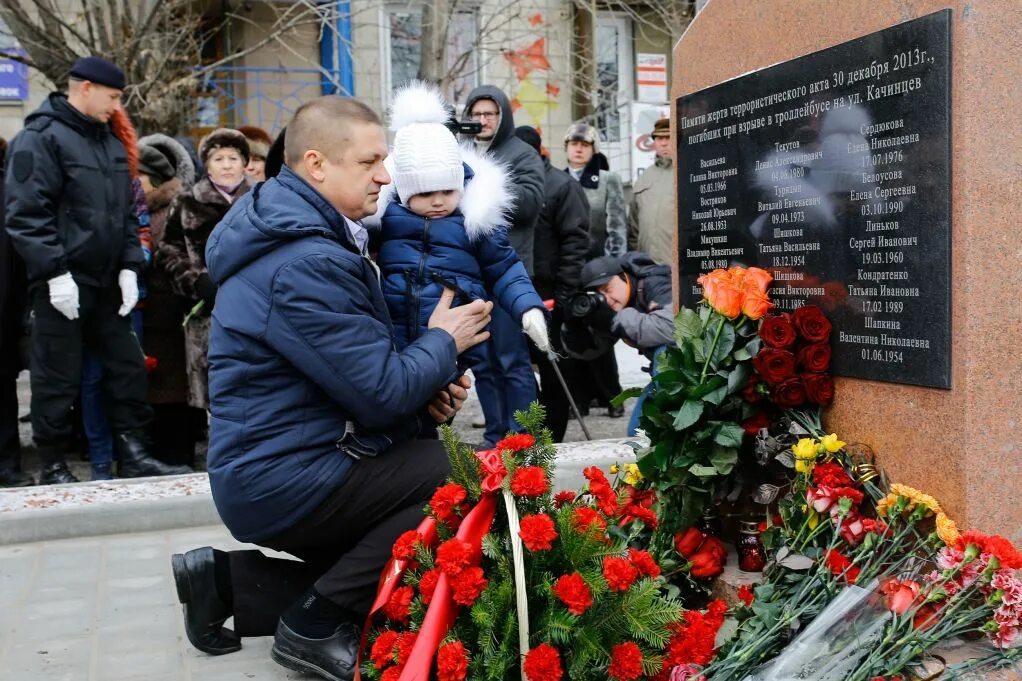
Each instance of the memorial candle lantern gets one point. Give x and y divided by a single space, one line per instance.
751 553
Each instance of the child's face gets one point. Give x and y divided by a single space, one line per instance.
437 204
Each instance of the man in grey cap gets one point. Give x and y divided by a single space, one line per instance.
70 216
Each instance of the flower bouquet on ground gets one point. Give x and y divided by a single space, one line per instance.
506 580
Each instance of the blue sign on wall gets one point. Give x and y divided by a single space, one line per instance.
13 77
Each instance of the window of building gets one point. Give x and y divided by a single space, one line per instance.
615 68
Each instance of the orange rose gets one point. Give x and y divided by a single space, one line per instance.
721 293
756 303
758 280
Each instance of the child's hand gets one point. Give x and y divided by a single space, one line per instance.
534 324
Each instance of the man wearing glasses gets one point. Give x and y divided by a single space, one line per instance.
506 382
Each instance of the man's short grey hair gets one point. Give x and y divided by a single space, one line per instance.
324 124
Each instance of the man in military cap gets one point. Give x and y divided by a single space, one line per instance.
651 214
70 216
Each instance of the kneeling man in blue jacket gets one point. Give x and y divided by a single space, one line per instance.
313 447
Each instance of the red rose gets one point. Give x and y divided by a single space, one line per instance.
446 502
775 366
644 562
537 532
573 591
750 392
899 594
564 497
529 481
427 585
708 561
382 652
516 443
777 331
405 643
811 323
789 394
687 541
453 556
759 421
452 662
746 594
625 662
543 663
814 357
398 608
819 388
468 586
404 547
619 573
491 464
585 519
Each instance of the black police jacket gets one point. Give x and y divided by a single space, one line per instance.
69 199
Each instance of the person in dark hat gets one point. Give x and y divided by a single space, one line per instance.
651 214
70 215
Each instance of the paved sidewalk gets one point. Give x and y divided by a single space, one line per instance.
105 608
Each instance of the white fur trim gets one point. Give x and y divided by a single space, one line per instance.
488 201
417 102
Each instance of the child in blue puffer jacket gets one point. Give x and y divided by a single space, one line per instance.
443 221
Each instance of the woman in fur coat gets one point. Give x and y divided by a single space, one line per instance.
444 225
182 253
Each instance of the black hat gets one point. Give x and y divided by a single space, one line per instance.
98 71
530 136
153 163
599 271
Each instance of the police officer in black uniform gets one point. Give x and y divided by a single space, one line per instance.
70 216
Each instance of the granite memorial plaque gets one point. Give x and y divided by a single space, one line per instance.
832 172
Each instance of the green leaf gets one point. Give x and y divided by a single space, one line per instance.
701 471
688 414
725 343
724 459
729 435
625 395
687 325
743 354
738 378
716 395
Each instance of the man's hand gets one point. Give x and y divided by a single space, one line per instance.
446 403
465 324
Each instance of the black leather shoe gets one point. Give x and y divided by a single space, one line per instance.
330 658
204 611
12 478
56 474
616 412
135 461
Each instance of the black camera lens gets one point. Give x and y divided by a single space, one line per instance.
583 304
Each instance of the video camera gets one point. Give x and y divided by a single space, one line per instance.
585 333
467 128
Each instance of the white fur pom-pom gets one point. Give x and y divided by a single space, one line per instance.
417 102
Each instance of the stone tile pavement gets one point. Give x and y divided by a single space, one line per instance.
105 609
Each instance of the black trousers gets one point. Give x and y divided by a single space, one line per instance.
57 347
345 543
10 444
603 375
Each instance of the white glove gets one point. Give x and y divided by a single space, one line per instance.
534 324
64 295
128 281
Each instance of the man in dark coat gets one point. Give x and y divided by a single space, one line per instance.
70 214
506 383
562 241
313 410
639 293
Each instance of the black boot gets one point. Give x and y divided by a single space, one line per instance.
135 461
331 658
56 474
205 611
14 478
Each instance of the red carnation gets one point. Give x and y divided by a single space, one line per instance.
529 481
537 532
446 502
452 662
468 586
601 490
392 674
382 652
564 497
840 566
625 662
619 573
819 388
789 394
404 547
398 608
811 323
516 443
585 518
574 593
777 331
543 663
453 556
427 585
775 366
405 643
746 594
831 475
633 512
814 357
644 562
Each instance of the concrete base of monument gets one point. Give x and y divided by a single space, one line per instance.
91 509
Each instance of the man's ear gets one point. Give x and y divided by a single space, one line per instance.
313 161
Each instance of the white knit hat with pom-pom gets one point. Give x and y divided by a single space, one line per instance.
426 156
